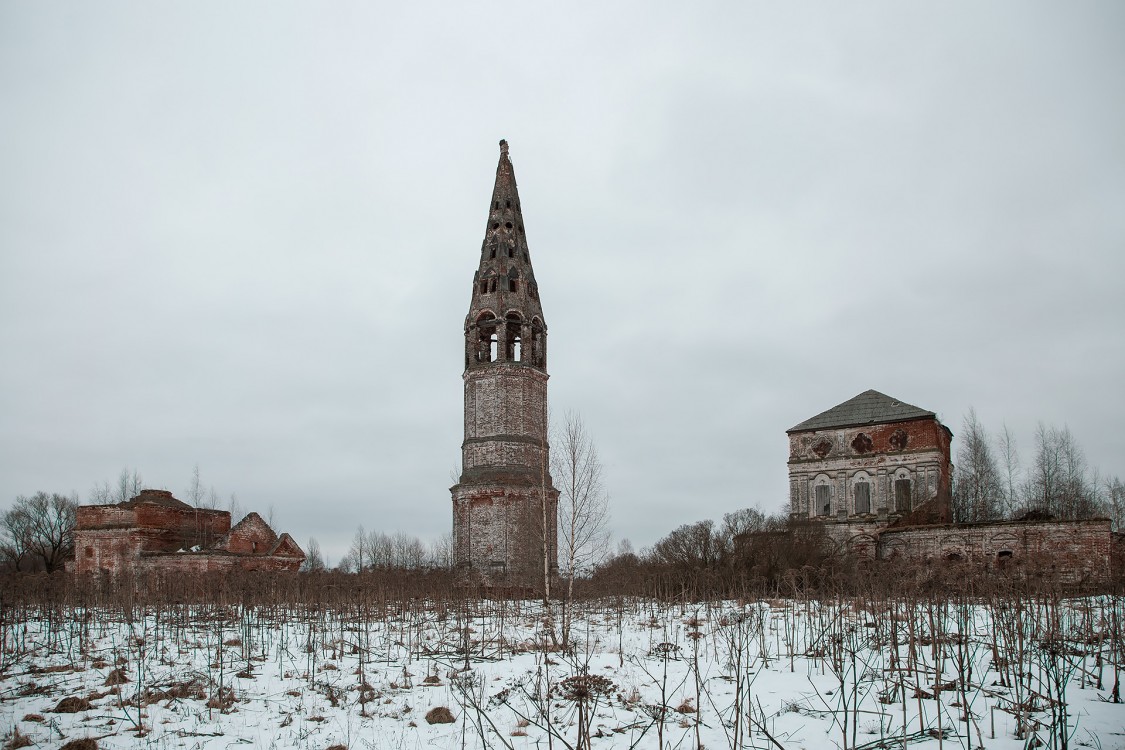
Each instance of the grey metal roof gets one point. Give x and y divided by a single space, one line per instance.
869 407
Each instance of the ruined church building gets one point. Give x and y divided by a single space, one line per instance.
874 472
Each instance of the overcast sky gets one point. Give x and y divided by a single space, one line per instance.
242 236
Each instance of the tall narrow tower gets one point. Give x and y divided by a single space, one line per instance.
505 498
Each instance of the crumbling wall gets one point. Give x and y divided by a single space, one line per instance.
497 533
156 531
252 536
878 455
1072 550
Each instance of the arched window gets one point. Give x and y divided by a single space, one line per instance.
862 491
514 330
904 495
538 343
486 338
822 496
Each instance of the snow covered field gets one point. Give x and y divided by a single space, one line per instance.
780 673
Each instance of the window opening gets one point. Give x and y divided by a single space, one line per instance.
862 497
492 254
486 338
862 443
903 500
823 500
514 330
512 285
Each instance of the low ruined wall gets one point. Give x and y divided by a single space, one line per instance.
1073 549
200 563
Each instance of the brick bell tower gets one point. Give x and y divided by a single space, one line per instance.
498 504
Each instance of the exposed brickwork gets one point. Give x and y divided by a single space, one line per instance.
1070 550
498 502
838 454
155 531
905 466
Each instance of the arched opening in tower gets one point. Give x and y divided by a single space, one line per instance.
538 343
514 337
487 340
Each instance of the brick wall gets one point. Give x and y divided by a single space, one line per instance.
156 531
878 455
252 536
1073 550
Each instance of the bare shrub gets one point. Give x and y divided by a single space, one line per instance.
86 743
72 705
440 715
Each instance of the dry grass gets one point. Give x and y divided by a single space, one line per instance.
440 715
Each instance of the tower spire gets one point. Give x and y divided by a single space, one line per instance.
505 321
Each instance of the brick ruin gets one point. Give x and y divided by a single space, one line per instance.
870 462
876 473
156 532
498 502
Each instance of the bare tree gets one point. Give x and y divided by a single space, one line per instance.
583 510
196 494
441 551
314 561
358 557
40 527
1115 502
978 490
691 547
234 507
1010 466
202 497
128 485
1058 483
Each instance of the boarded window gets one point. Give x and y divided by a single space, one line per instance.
903 500
823 500
862 497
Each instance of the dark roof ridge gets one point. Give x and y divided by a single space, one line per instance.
869 407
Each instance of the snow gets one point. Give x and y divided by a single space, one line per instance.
642 673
